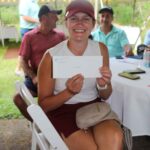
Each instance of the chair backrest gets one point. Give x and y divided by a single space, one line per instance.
8 32
1 33
25 93
46 127
41 120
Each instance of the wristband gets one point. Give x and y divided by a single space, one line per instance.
102 88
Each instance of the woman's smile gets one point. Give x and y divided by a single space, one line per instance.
79 30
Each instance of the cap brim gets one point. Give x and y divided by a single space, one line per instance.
105 10
71 13
58 12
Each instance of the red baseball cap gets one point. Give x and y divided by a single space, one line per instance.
79 6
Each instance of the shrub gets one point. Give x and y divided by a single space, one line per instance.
9 14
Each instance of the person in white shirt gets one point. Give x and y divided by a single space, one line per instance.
60 98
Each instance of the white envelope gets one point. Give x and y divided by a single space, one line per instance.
68 66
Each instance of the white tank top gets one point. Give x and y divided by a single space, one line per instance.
89 91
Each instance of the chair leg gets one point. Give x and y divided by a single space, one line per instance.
34 143
3 44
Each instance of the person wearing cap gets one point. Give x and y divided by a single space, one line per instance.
28 15
33 46
61 97
113 37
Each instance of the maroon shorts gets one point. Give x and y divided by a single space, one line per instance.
64 117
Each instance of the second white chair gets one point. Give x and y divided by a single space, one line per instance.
43 132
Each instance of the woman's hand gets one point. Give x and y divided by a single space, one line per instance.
106 76
74 84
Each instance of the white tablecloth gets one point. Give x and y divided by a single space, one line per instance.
131 98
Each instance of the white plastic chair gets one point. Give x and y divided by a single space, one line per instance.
43 132
8 32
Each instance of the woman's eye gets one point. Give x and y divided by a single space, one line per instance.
84 19
87 19
73 19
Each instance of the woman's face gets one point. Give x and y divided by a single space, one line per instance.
79 26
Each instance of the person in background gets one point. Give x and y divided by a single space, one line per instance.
33 46
147 38
60 98
28 14
114 38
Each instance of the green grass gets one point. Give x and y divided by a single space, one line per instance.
7 85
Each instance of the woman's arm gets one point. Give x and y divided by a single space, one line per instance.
46 98
105 80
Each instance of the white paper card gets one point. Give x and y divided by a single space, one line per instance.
68 66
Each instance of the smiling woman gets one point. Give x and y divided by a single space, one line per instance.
61 97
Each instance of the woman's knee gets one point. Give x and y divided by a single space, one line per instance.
115 135
81 140
109 131
114 130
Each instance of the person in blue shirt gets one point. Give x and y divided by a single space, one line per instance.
28 13
114 38
147 38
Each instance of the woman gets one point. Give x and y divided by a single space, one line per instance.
60 98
